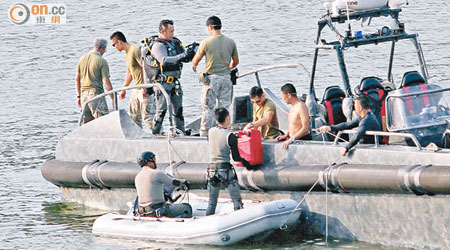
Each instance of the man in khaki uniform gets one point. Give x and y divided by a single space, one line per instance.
264 115
221 56
142 106
149 183
92 73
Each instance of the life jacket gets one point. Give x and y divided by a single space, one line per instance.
153 69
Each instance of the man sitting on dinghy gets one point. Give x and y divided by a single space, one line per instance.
149 186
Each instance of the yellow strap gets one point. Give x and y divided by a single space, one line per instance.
150 50
146 43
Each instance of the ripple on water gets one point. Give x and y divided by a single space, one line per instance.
38 103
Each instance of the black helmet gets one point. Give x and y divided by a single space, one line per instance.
145 157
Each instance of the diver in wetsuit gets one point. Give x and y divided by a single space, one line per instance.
220 171
366 121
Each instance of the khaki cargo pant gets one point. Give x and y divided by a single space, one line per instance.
94 109
142 108
218 93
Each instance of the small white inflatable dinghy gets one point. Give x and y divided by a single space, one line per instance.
224 228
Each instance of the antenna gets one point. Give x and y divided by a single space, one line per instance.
349 32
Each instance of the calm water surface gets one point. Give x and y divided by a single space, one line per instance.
38 97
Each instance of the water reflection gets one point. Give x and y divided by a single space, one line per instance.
72 216
72 219
38 97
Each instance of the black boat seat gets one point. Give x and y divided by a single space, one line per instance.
371 87
414 82
412 78
332 99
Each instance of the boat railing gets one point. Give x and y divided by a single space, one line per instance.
380 133
115 101
271 67
431 91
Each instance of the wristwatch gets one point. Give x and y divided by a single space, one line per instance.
292 139
252 125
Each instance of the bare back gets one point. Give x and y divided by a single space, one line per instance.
298 119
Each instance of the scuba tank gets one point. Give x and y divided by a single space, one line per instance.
151 66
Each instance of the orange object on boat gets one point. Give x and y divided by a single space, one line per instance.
250 147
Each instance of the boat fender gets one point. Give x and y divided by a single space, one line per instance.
331 176
91 174
409 179
245 180
415 184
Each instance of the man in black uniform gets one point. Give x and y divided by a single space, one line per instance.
366 121
220 171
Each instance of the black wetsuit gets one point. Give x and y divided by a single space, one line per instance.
369 122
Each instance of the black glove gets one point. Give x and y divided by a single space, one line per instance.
190 51
187 184
188 55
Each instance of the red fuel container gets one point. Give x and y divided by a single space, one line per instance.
250 147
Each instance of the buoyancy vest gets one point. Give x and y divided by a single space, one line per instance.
219 150
153 68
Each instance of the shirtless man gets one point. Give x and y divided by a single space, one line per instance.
298 117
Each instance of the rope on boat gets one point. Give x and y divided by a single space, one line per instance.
284 226
326 191
173 132
338 137
170 157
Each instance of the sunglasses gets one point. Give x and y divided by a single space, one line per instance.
114 44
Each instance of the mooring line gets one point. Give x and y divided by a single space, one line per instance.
170 157
335 136
326 190
283 226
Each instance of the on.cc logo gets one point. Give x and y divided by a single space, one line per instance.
19 13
